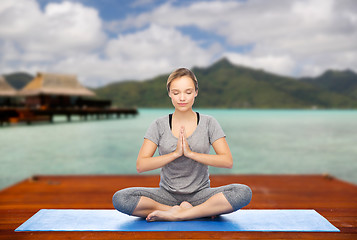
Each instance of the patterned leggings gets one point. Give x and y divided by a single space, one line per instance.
126 200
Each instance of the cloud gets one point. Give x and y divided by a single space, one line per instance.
62 29
158 45
139 3
69 37
298 37
143 54
283 65
303 31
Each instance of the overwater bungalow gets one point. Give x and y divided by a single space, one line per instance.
48 90
49 95
7 93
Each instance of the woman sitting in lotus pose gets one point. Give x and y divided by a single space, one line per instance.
183 139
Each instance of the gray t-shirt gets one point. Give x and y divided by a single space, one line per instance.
184 175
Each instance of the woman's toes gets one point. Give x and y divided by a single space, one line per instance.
185 204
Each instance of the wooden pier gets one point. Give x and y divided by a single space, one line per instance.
334 199
28 115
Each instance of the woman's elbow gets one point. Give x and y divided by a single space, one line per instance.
225 162
139 167
229 163
139 170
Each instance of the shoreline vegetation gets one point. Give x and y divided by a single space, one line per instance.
228 86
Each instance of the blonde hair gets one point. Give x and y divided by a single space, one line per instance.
181 72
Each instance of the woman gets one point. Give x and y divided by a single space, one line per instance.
183 139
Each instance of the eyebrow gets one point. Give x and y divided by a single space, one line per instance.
184 90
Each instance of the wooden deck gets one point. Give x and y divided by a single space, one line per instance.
27 115
334 199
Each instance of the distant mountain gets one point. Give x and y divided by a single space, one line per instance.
224 85
18 80
342 82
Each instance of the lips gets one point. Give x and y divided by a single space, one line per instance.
182 104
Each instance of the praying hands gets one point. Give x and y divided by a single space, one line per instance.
182 146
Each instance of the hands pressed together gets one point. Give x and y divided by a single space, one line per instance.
182 145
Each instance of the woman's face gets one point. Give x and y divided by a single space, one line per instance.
182 93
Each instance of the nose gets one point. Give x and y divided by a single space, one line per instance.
182 97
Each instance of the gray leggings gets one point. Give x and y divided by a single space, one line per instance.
126 200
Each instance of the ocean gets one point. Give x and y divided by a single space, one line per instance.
261 141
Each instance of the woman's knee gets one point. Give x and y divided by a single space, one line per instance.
125 200
239 195
246 193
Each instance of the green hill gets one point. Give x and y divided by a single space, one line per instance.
342 82
224 85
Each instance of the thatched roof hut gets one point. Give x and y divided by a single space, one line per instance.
6 90
55 84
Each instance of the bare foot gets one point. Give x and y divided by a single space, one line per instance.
169 215
186 205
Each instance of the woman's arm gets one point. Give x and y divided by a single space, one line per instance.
222 159
146 161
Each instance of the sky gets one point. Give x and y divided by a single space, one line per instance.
115 40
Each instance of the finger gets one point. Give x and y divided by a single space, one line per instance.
181 138
183 131
179 141
184 142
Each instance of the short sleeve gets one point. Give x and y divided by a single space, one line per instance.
153 133
215 130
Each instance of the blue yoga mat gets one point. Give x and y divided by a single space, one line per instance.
242 220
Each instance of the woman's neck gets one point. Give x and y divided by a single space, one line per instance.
184 115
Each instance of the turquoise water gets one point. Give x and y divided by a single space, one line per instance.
261 141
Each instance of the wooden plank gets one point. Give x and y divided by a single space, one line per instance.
334 199
30 115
